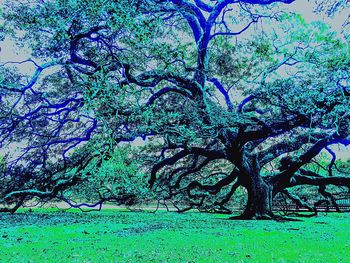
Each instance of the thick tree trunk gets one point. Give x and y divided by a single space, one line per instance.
259 203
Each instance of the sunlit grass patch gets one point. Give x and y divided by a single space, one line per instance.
115 236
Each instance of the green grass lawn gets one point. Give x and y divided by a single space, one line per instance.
120 236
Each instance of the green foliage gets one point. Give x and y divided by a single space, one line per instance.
2 164
343 166
116 175
313 58
50 26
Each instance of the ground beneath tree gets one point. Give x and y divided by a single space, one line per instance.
122 236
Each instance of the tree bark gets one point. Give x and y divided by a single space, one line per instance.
259 203
260 195
260 191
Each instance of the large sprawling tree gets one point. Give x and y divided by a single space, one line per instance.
226 94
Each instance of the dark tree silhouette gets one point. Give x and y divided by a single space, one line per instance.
231 93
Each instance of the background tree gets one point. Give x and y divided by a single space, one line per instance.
227 103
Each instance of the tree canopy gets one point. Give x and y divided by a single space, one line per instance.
225 94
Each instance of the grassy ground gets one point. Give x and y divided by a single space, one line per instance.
120 236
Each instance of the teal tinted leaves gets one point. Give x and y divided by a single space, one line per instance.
113 174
